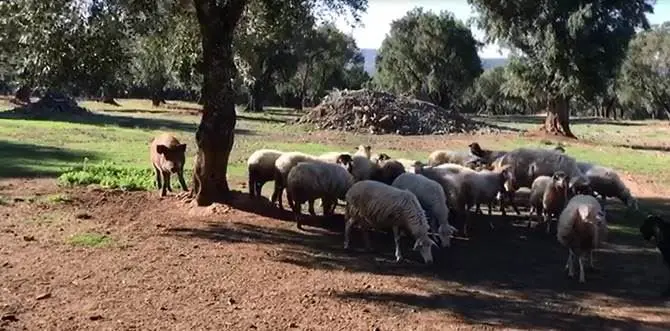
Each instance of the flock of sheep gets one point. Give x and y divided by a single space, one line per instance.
428 199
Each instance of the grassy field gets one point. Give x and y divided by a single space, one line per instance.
245 266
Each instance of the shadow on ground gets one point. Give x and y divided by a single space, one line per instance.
29 160
115 120
539 120
510 258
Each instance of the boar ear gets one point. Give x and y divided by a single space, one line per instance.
161 149
181 148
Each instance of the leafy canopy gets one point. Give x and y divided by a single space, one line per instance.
578 44
430 56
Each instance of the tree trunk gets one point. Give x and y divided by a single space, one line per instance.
216 132
108 98
558 117
157 98
255 97
23 94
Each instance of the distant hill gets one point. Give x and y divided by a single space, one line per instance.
370 55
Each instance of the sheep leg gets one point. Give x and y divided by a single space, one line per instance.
297 212
347 231
510 197
275 192
311 207
396 238
366 239
490 207
547 220
478 210
570 264
325 205
582 279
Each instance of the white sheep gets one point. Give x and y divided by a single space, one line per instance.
308 181
548 196
433 200
452 187
363 150
386 171
482 187
527 164
283 165
607 183
376 205
457 157
261 168
582 226
362 168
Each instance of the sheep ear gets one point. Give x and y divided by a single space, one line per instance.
583 211
181 148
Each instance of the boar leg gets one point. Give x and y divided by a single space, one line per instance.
166 181
158 178
182 182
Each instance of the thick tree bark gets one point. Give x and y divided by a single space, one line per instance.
558 117
255 97
215 134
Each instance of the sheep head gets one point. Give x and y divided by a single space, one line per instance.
346 161
445 232
650 226
424 245
596 218
364 150
475 149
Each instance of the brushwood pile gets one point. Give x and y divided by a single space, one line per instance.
384 113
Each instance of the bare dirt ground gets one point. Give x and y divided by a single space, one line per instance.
171 267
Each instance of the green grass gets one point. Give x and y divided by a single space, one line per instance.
58 198
89 239
116 140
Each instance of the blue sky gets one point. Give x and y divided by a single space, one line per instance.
376 22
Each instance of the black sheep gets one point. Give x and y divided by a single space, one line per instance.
659 229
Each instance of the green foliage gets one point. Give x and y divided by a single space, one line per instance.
431 56
577 45
330 59
645 75
490 94
89 240
109 175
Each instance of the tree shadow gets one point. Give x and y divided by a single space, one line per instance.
262 119
521 312
522 269
100 119
645 147
29 160
526 119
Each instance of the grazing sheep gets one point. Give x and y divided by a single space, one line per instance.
308 181
331 157
387 171
581 227
527 164
167 156
379 157
484 187
439 157
607 183
363 150
362 168
452 187
432 200
261 168
548 196
377 205
283 165
488 156
657 228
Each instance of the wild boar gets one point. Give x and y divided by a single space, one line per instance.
168 157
